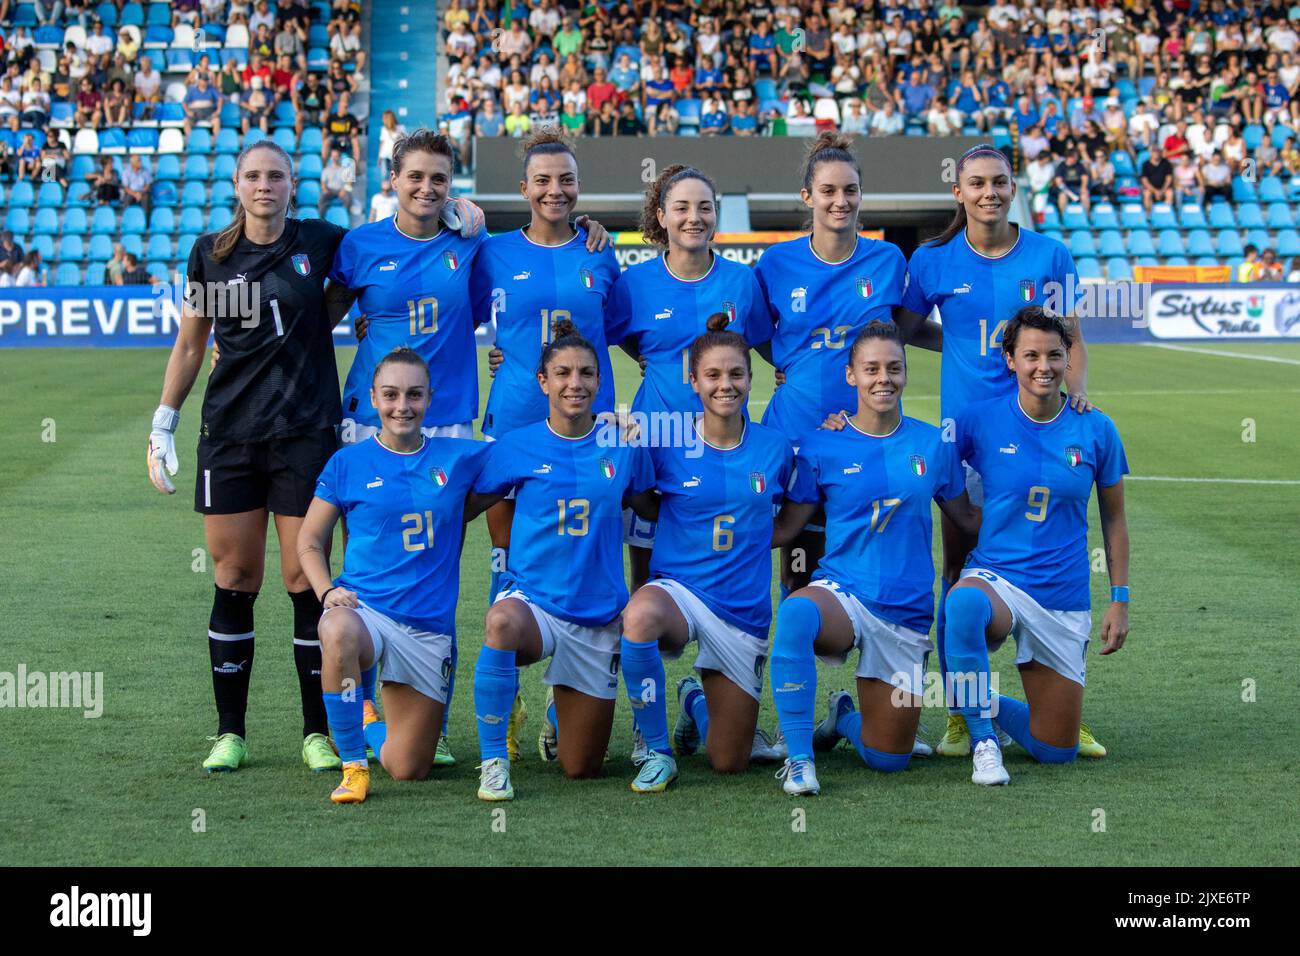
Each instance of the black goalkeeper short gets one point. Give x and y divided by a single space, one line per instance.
278 475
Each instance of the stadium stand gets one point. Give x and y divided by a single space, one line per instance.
120 122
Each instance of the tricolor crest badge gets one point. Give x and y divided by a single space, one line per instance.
1027 289
439 476
1074 456
757 482
606 468
588 280
730 309
918 465
301 264
449 260
864 287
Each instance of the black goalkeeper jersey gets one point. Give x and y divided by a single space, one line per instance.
276 376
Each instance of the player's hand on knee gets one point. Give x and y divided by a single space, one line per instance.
641 361
1114 628
161 455
340 597
835 422
495 358
780 378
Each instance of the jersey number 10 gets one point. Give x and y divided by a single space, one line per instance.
424 315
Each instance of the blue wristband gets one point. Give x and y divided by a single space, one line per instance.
1119 593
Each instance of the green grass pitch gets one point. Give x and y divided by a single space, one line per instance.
1198 711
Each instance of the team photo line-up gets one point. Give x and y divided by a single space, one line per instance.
834 475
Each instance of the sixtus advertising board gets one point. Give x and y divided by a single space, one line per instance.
1248 311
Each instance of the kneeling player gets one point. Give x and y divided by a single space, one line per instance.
565 592
1028 576
874 588
404 498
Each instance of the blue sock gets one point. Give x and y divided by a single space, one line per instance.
849 725
500 557
698 708
643 675
551 718
376 733
967 675
368 680
794 672
451 687
345 722
940 622
495 683
1013 717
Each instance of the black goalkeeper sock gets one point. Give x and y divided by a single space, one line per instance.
306 657
230 648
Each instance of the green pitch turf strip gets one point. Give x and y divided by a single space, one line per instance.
97 576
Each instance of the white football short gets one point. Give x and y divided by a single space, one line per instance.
723 646
407 655
354 433
1058 639
582 657
886 651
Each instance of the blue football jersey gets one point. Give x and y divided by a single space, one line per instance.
1038 477
819 307
527 286
666 314
413 292
877 492
977 297
566 541
715 522
405 515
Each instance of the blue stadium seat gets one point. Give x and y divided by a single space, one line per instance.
1162 217
112 142
1112 244
1222 216
308 193
1192 217
1170 243
44 245
1140 243
318 59
1253 134
196 167
254 135
62 114
1074 217
1258 238
228 141
200 141
159 14
194 194
1089 269
158 36
1118 270
179 61
68 274
103 221
108 13
71 249
169 169
1288 243
133 245
223 168
1104 217
160 247
308 212
191 219
218 219
1205 261
1053 234
1177 261
311 141
133 220
230 115
309 166
1271 190
24 15
1081 244
1250 216
74 220
1199 243
50 196
48 37
223 193
95 274
185 244
1133 217
286 139
1123 163
339 216
1281 134
1228 243
47 222
240 56
1051 218
170 114
142 141
162 220
22 196
1243 191
1280 216
1147 262
318 35
284 115
158 271
164 194
689 111
78 194
18 221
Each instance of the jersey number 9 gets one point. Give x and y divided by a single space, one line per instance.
421 527
573 516
424 315
723 536
1038 496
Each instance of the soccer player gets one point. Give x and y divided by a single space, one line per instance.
1028 576
660 306
978 272
404 497
710 572
572 478
821 291
268 426
526 279
874 587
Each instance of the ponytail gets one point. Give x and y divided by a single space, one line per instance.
402 355
565 335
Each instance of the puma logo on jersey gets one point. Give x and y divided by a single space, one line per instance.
665 314
522 276
544 470
392 264
237 280
1009 450
854 469
693 483
377 483
961 289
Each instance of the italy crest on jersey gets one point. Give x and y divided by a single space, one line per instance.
730 309
1074 456
606 468
757 482
918 465
1027 289
439 476
588 280
864 287
449 260
301 264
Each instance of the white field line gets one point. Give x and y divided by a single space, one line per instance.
1222 353
1215 481
1125 393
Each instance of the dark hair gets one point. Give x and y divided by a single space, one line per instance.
718 337
422 140
959 220
877 330
227 238
657 194
830 146
546 141
402 355
1035 317
565 335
